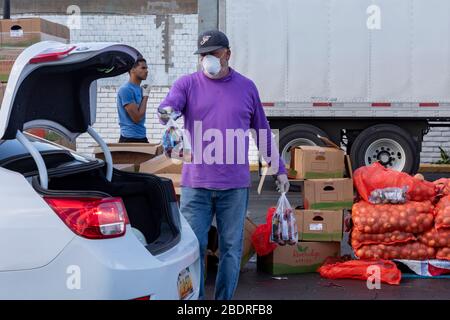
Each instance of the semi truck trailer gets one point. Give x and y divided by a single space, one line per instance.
372 76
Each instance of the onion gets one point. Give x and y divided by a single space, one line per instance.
393 221
422 252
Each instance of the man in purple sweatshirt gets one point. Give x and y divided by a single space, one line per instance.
220 108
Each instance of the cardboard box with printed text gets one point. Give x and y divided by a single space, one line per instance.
304 257
328 194
319 225
313 162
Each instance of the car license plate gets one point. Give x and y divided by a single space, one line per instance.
185 285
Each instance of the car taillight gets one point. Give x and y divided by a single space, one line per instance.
52 54
92 218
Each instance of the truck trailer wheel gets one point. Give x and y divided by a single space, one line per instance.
299 135
389 144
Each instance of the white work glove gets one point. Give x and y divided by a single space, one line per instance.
282 183
146 90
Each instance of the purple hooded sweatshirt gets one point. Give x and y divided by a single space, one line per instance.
217 114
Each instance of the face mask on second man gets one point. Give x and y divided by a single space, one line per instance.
211 65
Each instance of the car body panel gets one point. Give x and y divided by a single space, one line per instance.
118 268
31 234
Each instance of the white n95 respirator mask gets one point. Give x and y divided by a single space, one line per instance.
211 65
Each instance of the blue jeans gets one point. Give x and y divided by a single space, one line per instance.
198 206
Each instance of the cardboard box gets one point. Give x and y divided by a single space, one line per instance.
2 92
10 53
319 225
304 257
130 153
27 31
328 194
247 250
161 164
313 162
125 167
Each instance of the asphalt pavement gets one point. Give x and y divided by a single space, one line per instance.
254 284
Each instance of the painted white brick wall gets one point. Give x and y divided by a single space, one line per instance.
144 33
437 137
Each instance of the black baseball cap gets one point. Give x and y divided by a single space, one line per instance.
211 40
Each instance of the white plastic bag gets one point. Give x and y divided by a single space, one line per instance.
284 226
175 143
389 195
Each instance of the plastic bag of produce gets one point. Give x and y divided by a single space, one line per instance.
409 251
411 217
436 238
284 226
175 143
442 212
361 270
443 254
388 195
375 176
359 239
261 236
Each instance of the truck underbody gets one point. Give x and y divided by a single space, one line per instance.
395 142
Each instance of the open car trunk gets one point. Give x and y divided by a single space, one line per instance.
150 201
53 86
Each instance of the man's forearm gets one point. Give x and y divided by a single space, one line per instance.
143 107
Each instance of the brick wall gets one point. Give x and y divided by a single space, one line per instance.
437 137
167 42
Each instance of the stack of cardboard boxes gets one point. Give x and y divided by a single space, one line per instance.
18 34
165 167
327 191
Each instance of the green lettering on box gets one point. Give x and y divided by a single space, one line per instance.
287 269
331 205
333 236
324 175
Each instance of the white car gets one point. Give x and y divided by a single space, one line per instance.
69 224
